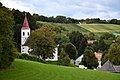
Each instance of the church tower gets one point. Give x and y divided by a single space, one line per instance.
25 33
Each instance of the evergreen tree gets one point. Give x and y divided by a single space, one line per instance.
79 41
89 60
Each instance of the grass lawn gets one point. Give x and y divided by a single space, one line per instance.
101 27
29 70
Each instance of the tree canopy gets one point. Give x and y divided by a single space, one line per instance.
89 60
79 41
42 42
7 49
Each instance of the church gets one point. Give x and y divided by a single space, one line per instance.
25 33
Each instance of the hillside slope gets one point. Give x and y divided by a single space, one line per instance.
29 70
98 29
101 27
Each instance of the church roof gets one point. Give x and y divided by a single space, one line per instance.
25 23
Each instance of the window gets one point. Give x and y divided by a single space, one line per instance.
28 33
23 33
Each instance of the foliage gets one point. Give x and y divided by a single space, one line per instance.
42 42
30 57
24 70
114 54
107 36
89 60
7 49
70 49
78 40
61 39
64 58
100 45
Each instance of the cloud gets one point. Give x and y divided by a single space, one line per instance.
77 9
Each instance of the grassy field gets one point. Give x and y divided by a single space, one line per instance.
29 70
68 27
98 29
101 27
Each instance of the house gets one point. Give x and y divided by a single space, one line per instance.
108 66
78 60
25 33
91 41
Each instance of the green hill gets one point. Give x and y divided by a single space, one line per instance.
101 27
29 70
86 28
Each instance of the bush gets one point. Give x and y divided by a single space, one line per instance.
30 57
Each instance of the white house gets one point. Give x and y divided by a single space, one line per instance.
55 55
78 60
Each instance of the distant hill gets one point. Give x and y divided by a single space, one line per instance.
86 28
101 27
29 70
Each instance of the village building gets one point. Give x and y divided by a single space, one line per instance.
25 33
108 66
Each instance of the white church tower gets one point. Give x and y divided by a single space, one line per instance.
25 33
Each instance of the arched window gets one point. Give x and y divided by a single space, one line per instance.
23 33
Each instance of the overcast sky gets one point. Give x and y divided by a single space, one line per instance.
104 9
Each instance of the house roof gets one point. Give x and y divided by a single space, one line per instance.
25 23
108 66
117 68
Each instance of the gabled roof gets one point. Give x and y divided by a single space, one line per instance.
108 66
117 68
25 23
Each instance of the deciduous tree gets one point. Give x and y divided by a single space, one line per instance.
42 42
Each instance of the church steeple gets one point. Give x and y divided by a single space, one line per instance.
25 33
25 23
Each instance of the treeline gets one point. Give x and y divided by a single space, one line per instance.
64 19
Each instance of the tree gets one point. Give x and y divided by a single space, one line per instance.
91 36
79 41
100 45
64 58
107 36
42 42
60 19
70 49
7 49
114 53
89 60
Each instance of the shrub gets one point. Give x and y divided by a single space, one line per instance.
30 57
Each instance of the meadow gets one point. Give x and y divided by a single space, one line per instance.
101 27
97 29
30 70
